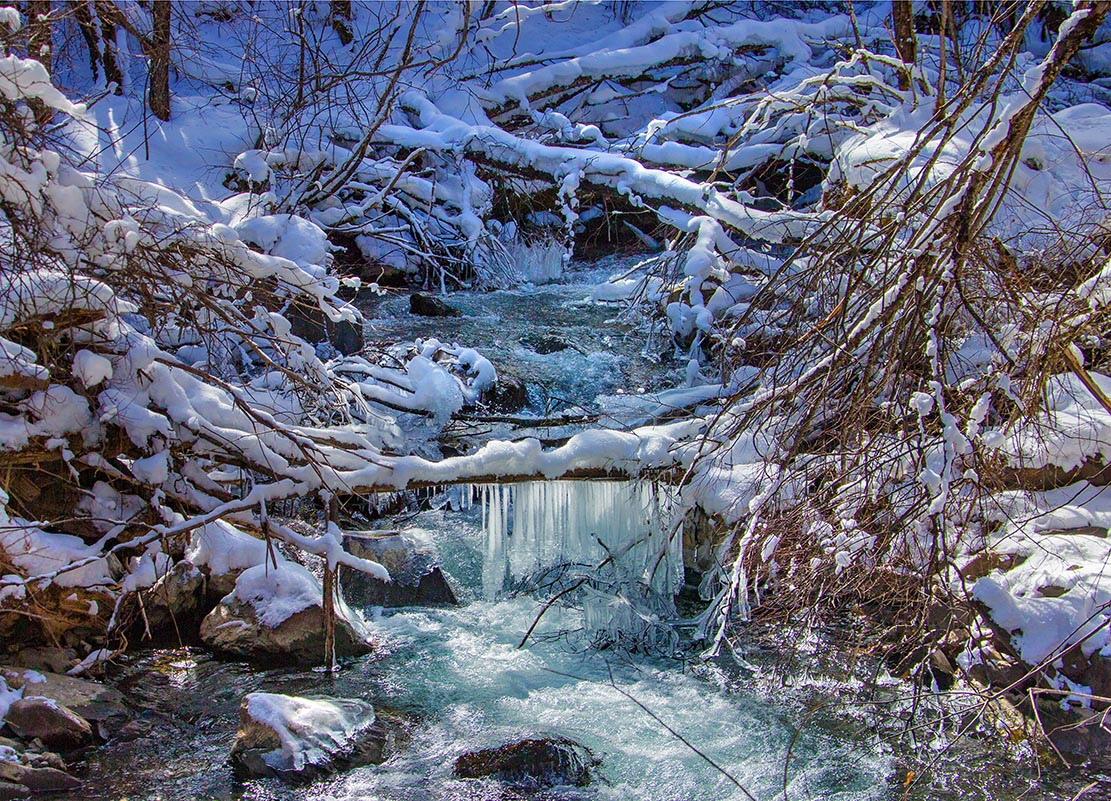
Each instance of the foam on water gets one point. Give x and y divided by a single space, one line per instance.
479 690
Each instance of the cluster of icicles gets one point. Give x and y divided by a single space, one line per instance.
614 546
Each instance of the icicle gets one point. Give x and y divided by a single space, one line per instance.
562 530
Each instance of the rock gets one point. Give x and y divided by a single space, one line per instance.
313 326
47 759
93 701
428 306
219 585
508 395
303 739
276 615
529 763
57 726
416 578
10 791
547 344
134 730
48 658
173 605
234 629
37 780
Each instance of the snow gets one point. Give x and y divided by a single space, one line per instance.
7 698
311 730
91 368
223 548
277 593
1074 428
63 557
1059 593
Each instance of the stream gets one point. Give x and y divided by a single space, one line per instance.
606 670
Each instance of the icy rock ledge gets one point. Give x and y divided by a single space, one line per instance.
303 739
277 614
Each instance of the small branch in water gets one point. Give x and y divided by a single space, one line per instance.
551 601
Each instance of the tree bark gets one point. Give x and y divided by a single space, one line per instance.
105 13
341 21
159 76
906 43
39 48
85 23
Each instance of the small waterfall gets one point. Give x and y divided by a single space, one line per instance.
618 544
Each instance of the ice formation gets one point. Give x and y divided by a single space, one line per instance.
619 541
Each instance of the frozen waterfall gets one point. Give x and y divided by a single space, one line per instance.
618 544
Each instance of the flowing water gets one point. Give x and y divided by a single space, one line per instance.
604 666
460 676
565 347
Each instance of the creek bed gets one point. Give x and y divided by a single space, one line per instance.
459 677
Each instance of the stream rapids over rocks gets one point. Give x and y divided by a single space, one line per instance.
608 666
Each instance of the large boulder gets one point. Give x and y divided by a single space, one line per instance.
531 764
56 725
303 739
173 606
277 615
416 579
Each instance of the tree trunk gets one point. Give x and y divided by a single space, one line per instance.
159 76
39 48
906 43
87 26
341 21
112 73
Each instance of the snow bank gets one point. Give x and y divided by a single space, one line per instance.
1059 594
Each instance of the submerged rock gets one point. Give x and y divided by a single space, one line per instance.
546 344
302 739
56 725
416 578
529 763
277 615
428 306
